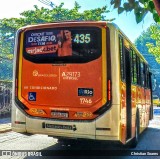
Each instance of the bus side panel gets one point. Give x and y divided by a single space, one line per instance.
19 118
142 109
123 112
133 102
118 118
148 104
139 102
107 126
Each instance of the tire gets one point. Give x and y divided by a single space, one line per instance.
151 113
135 140
67 141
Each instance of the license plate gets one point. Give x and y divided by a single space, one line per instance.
56 114
56 126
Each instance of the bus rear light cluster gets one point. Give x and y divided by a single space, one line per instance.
37 111
83 114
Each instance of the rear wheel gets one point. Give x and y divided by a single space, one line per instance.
67 142
151 112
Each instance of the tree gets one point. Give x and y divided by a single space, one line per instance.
140 7
149 42
154 48
157 6
8 27
142 40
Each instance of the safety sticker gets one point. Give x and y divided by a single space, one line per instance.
32 96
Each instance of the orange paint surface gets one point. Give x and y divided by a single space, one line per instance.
56 87
140 98
44 88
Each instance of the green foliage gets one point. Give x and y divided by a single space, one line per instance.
142 40
140 8
8 27
149 41
147 44
59 13
6 67
154 48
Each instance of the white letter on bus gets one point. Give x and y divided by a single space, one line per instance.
30 39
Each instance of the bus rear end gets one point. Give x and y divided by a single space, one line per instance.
62 83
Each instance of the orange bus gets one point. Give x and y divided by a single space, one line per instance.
80 80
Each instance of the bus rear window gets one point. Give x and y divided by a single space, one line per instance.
68 45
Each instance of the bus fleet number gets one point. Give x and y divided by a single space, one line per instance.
85 101
82 38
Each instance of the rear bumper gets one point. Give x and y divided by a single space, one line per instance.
65 129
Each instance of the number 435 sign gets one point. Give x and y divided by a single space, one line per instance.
82 38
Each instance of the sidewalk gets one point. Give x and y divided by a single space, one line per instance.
5 125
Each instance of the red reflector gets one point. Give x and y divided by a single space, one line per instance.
109 90
20 122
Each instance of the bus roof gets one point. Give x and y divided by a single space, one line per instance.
67 23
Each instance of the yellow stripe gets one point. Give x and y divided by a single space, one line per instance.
20 66
104 71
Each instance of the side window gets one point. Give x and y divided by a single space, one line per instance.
138 71
142 74
134 67
122 64
147 77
